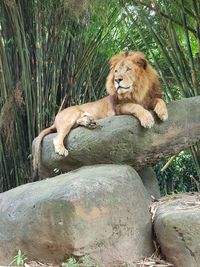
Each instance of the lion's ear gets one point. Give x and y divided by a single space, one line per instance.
139 59
142 63
110 88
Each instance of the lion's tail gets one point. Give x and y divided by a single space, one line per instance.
37 151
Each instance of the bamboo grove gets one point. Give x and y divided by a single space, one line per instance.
54 54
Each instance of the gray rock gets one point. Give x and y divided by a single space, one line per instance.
177 227
150 182
121 140
99 210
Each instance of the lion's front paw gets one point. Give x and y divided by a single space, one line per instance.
161 111
62 151
146 119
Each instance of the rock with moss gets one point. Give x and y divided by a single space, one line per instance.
101 211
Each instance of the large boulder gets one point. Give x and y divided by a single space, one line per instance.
177 228
121 140
99 210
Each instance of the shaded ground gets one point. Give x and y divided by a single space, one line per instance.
153 261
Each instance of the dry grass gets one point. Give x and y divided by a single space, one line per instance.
8 112
153 261
39 264
77 6
7 116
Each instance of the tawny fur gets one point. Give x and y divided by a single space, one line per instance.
133 88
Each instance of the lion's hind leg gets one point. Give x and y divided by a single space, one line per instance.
64 122
86 120
58 141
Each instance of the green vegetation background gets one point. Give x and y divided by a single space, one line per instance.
54 53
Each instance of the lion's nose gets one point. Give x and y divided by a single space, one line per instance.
118 80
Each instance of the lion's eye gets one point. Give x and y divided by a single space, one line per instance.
127 69
115 71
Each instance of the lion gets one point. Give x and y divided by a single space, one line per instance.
133 89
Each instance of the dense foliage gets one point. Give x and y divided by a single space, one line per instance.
180 176
54 54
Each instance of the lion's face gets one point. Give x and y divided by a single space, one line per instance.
124 76
125 73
